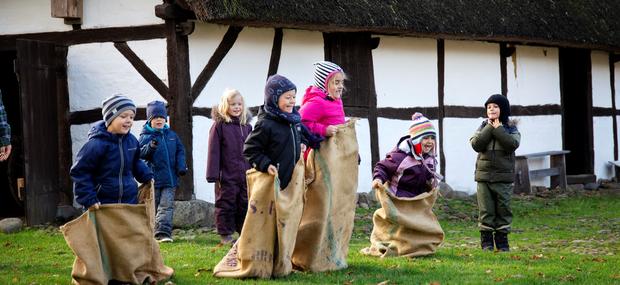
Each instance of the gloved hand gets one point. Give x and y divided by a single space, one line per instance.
153 143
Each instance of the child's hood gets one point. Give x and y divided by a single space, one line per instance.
99 130
313 92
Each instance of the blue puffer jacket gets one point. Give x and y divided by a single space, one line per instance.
105 168
167 160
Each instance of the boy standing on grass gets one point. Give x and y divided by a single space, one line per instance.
165 155
496 140
105 167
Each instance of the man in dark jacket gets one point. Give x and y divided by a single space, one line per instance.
496 140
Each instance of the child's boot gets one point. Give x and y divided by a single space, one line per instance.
486 240
226 239
501 241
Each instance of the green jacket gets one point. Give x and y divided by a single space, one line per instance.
496 152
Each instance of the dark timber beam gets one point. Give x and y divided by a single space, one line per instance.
205 75
8 42
441 59
142 68
180 101
612 79
276 50
172 11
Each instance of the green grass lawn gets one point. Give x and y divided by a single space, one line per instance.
564 239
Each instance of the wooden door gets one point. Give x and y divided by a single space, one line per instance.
42 75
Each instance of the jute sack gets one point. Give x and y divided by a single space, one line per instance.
116 242
329 207
267 240
404 226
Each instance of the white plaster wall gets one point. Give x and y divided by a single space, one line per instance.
603 146
300 49
390 131
538 134
28 16
365 169
244 67
533 76
119 13
601 85
405 72
202 189
97 71
460 156
472 72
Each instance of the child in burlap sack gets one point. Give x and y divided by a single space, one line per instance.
105 167
226 165
410 167
279 137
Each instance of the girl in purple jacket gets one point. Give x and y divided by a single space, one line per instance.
410 166
226 165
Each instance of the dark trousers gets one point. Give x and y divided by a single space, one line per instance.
231 205
494 206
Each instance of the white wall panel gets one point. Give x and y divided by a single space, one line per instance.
119 13
601 85
97 71
405 72
29 16
533 76
472 72
244 67
603 147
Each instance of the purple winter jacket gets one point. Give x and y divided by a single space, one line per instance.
414 180
225 161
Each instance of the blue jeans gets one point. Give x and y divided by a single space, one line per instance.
164 205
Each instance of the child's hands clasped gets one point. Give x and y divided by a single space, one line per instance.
495 123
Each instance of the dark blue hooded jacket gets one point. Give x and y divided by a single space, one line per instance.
105 168
167 160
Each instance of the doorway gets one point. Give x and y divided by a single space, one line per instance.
11 201
576 96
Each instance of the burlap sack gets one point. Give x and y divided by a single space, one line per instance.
404 226
329 207
267 240
116 242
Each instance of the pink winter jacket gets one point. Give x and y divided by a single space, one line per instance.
318 111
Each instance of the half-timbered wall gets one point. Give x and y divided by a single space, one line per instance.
472 73
602 125
119 13
533 79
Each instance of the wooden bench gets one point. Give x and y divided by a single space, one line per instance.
557 170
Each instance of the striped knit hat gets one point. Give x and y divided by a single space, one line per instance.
323 71
114 106
421 128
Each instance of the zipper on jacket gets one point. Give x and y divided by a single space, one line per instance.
294 144
120 173
167 158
